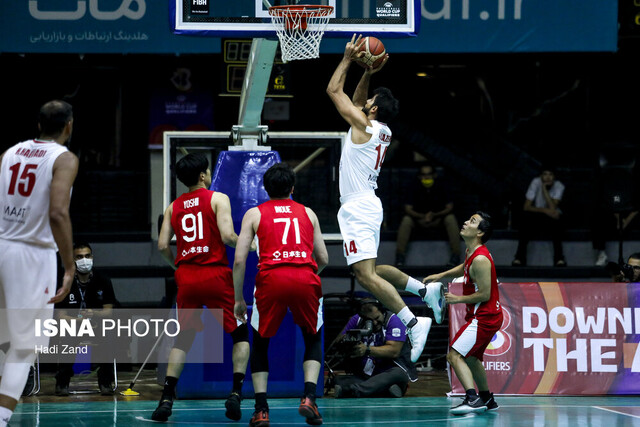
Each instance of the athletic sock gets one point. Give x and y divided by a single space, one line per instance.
415 287
485 395
261 402
5 416
238 380
406 316
169 388
471 393
310 390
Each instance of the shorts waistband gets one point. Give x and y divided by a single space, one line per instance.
358 195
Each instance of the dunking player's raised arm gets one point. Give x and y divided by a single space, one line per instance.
361 94
350 112
222 208
164 237
65 169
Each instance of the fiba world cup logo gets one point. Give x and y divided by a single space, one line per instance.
501 341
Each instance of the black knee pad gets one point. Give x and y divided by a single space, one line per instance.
313 346
259 353
184 340
240 334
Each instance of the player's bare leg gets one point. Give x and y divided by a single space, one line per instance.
8 402
432 293
480 377
7 406
417 327
240 358
462 370
261 414
177 357
385 292
472 402
308 407
478 372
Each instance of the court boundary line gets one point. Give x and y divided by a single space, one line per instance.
618 412
321 407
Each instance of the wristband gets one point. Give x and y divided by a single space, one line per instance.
367 352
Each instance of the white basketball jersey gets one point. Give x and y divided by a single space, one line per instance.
360 163
25 188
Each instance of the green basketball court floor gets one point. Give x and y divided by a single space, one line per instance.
408 411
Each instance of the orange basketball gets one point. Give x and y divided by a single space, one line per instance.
374 52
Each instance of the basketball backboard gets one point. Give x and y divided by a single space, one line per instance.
250 18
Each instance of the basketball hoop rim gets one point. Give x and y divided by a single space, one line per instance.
306 10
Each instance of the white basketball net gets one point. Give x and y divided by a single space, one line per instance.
300 29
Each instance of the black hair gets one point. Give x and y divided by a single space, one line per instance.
189 168
53 117
279 180
485 226
388 106
369 300
80 245
550 168
635 255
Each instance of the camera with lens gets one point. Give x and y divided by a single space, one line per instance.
624 270
354 336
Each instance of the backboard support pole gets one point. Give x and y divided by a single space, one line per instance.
249 134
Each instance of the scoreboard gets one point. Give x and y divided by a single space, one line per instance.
235 59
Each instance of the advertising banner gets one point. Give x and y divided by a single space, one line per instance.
562 339
447 26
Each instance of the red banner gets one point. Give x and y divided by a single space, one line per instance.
562 338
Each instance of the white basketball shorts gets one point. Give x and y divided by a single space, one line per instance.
360 218
27 282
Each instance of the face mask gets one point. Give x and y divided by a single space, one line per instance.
84 265
427 182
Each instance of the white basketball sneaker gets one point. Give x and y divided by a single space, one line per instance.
418 336
434 297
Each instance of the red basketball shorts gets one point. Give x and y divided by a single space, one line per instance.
473 338
210 286
296 288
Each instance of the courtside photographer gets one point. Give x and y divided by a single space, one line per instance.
625 272
377 353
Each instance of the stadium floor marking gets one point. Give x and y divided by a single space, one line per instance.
617 412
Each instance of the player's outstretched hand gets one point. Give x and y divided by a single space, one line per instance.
352 50
67 280
240 311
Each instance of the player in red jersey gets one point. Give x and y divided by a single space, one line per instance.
483 317
291 254
201 220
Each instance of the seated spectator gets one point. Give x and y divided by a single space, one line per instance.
542 216
379 355
429 207
92 294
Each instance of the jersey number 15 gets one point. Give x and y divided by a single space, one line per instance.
24 181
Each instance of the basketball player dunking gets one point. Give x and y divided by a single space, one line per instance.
483 317
360 214
36 177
